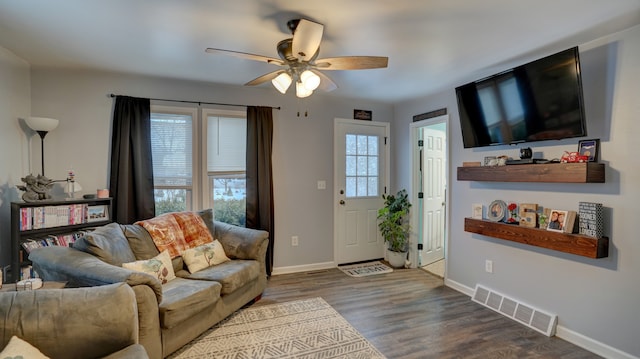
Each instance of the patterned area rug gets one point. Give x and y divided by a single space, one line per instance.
365 269
308 328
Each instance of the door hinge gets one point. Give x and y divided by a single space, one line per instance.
385 140
420 194
385 189
420 247
420 143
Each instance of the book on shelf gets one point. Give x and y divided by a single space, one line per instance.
63 240
32 218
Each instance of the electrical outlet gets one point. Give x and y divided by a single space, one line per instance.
294 241
488 266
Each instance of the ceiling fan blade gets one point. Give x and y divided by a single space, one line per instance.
326 84
352 63
306 39
246 56
264 78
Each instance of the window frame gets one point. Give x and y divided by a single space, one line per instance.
201 195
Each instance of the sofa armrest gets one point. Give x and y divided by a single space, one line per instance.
80 269
72 323
240 242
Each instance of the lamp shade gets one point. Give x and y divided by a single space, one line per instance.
72 186
302 91
282 82
42 123
310 80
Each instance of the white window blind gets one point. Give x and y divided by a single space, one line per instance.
226 144
171 144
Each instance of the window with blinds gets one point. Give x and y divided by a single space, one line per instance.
199 163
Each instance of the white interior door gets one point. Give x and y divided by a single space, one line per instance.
360 177
434 172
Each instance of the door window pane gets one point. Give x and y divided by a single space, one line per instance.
362 170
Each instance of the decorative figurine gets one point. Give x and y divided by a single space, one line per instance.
36 188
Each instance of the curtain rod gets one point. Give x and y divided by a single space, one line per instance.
199 102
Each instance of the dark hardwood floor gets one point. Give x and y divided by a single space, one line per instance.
411 314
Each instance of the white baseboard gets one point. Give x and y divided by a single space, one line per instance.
459 287
591 345
575 338
303 268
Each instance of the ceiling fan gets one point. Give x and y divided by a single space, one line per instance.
298 61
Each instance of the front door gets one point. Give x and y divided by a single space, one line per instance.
360 177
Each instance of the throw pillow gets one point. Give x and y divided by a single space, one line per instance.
194 229
18 348
166 234
159 266
204 256
107 243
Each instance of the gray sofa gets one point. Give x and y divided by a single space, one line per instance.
170 315
79 323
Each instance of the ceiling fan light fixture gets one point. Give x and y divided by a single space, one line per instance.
310 80
282 82
302 91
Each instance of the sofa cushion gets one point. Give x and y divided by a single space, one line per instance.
204 256
18 348
194 230
184 298
108 243
232 274
140 241
207 219
159 266
166 233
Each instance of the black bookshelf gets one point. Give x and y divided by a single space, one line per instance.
19 234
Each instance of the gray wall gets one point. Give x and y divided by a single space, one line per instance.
303 146
596 298
15 100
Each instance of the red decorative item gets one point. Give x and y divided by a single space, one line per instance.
573 157
513 213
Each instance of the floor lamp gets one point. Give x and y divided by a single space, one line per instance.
42 125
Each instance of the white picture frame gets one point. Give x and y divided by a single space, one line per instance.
97 213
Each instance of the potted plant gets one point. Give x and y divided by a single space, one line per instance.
394 226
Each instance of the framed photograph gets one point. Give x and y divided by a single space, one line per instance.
97 213
561 221
589 148
476 211
496 211
528 215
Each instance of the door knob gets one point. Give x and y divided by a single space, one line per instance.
342 202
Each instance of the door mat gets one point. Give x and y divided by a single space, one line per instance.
365 269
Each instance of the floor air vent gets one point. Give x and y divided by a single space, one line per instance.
536 319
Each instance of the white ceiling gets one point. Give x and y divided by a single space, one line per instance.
431 45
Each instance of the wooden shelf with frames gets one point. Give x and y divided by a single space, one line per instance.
564 242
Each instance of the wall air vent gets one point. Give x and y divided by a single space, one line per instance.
534 318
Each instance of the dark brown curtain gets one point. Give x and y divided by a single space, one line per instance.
259 177
131 177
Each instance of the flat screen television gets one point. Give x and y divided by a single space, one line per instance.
541 100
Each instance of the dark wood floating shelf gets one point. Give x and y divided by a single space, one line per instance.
564 242
549 172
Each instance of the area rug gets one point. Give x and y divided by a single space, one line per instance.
365 269
308 328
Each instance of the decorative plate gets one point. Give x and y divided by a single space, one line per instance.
496 211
